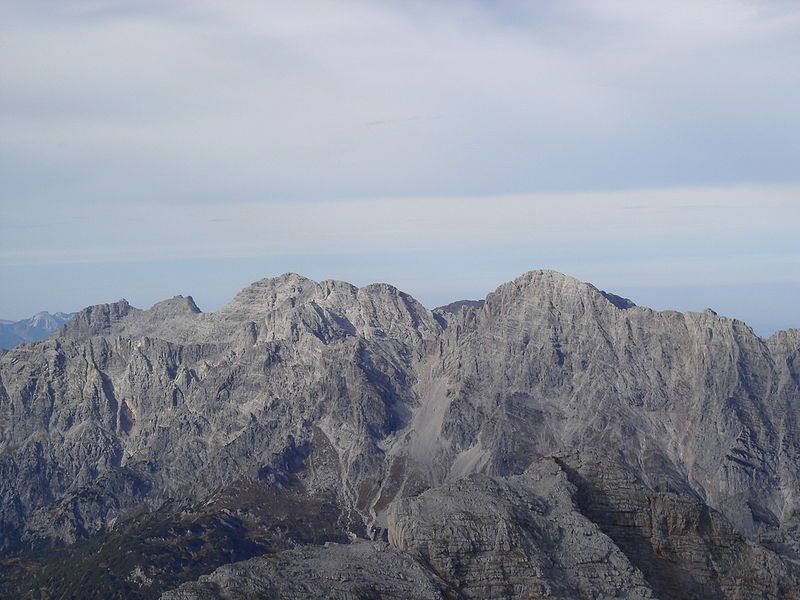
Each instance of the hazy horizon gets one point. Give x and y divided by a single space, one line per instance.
735 301
163 148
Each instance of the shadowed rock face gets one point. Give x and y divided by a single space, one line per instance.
570 527
361 399
518 536
343 572
683 548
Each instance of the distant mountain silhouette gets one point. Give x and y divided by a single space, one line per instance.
38 327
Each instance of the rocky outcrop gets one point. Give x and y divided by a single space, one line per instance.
684 548
359 571
572 527
365 399
514 537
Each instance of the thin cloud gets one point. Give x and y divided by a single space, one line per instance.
257 101
403 224
595 137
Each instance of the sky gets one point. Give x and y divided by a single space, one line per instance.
154 148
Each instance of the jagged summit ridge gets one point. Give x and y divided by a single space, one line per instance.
290 290
342 405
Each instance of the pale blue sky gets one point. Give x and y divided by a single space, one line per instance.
155 148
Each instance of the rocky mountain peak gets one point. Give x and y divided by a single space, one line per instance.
96 320
41 317
545 298
266 295
330 309
176 306
303 413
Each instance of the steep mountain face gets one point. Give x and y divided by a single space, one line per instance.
573 524
551 441
38 327
696 403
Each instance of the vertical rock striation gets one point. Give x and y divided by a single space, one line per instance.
361 399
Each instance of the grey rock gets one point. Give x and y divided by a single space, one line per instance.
454 307
695 402
684 548
577 527
515 537
363 570
364 399
618 301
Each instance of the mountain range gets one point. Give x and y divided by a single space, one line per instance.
38 327
315 439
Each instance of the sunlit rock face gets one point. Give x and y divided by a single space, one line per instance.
551 441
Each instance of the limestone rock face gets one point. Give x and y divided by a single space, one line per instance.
695 402
572 527
514 537
359 571
684 548
361 399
